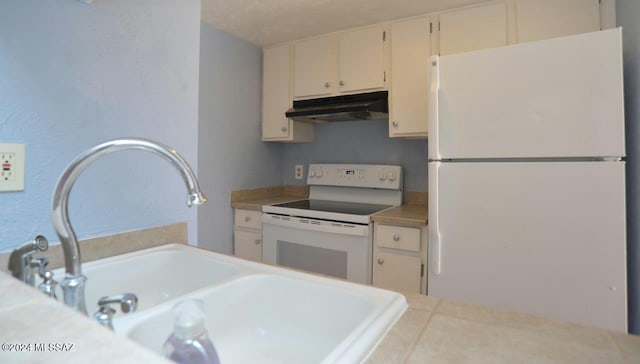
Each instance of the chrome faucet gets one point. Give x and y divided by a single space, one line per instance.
128 303
21 262
73 282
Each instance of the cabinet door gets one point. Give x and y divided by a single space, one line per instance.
473 28
362 59
397 272
313 67
276 96
542 19
410 51
247 245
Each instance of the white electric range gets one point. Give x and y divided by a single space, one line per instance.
332 232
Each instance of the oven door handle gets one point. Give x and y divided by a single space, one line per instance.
316 225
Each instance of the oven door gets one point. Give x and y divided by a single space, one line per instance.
336 249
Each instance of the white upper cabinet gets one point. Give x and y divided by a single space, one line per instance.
314 67
542 19
341 63
362 59
276 99
410 51
473 28
394 55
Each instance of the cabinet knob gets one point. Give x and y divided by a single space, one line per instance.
395 124
284 129
327 84
396 237
341 83
247 218
257 242
380 261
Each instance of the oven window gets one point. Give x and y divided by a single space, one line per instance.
310 258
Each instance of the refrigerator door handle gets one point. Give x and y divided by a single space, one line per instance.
434 144
435 240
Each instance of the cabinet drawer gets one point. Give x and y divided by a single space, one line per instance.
396 237
248 219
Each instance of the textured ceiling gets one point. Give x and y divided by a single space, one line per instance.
266 22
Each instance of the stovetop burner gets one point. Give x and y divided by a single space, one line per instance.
341 207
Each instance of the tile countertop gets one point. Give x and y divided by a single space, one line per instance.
431 330
411 215
256 204
403 215
29 319
254 199
434 330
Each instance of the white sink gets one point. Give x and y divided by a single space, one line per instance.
155 275
254 312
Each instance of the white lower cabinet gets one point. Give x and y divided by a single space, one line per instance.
247 235
399 258
397 272
248 244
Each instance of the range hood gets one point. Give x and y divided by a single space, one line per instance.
365 106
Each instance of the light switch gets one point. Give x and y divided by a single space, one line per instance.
12 158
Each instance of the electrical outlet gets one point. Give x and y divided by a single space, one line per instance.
12 158
299 171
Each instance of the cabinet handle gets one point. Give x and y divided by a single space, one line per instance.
257 241
247 218
396 237
341 83
284 129
327 85
395 124
380 261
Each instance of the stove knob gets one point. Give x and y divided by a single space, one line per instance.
319 174
392 176
312 173
382 176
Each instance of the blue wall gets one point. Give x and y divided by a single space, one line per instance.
74 74
628 14
231 155
365 142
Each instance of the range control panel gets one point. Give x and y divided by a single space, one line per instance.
356 175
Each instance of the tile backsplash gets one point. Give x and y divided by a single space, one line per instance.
115 244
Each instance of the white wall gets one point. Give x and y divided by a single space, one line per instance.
231 155
74 74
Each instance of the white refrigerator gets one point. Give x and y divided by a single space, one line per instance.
527 181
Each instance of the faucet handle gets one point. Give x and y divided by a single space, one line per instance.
128 303
48 285
39 263
104 316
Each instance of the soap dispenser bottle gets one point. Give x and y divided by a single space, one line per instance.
189 343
